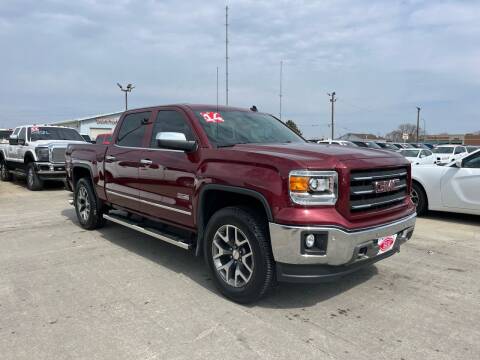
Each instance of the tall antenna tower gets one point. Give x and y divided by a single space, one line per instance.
226 55
280 94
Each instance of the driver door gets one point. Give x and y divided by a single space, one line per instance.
459 186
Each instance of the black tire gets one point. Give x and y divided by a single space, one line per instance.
261 270
419 198
33 181
87 206
4 173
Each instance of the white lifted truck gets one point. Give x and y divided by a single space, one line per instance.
37 152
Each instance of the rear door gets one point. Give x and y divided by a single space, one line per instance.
122 161
168 176
460 185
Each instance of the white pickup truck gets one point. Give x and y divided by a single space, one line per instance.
38 153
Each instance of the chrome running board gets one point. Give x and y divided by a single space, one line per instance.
148 231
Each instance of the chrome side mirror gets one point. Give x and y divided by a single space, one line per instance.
175 141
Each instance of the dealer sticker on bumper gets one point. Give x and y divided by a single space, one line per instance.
386 243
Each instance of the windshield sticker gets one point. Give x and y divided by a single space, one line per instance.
212 117
34 129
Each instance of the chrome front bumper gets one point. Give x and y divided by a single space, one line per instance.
342 248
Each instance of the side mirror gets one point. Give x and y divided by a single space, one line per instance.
175 141
21 141
458 163
13 140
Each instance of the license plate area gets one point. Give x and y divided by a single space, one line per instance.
386 243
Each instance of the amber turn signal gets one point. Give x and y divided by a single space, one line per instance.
299 183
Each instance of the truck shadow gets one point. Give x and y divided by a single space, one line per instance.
284 295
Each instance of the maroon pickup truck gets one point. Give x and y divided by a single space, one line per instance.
240 188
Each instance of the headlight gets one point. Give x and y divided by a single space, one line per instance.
313 187
42 153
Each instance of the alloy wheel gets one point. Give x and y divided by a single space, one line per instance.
232 256
414 196
30 177
83 204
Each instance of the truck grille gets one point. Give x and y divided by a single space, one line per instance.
377 189
58 155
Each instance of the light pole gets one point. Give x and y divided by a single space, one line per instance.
128 89
332 100
418 121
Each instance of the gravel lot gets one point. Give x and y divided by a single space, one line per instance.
66 293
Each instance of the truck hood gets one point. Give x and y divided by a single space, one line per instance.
56 143
318 156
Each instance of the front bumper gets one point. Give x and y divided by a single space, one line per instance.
343 251
51 171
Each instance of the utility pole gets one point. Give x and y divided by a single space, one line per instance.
418 121
128 89
424 129
226 55
332 100
217 88
280 95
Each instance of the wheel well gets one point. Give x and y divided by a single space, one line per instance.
28 158
78 173
1 156
213 200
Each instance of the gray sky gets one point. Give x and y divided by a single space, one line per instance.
62 59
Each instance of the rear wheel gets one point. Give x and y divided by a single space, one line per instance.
4 173
87 206
419 198
238 254
33 181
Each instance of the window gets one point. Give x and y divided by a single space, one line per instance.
170 121
53 133
459 150
133 129
443 150
23 135
472 162
16 131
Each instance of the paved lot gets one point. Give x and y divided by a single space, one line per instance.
66 293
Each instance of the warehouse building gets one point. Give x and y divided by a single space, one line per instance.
92 125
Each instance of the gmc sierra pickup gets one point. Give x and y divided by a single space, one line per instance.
238 186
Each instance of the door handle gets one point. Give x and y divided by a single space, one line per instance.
147 162
110 158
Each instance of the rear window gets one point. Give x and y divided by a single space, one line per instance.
443 150
409 153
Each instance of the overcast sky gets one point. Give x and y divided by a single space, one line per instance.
62 59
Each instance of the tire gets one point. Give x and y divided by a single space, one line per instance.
250 254
33 181
4 173
87 206
419 198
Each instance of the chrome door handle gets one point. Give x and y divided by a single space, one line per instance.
146 162
110 158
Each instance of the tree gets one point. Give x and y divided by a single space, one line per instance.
397 135
291 124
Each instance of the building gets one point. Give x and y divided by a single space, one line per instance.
443 139
472 139
360 137
92 125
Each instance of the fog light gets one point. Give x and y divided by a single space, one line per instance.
310 240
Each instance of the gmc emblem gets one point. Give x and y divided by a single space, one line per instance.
385 185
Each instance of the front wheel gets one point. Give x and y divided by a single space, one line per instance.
4 173
238 253
419 198
33 181
88 206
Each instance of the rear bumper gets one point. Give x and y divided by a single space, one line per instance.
342 252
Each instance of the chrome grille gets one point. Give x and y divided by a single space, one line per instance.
58 155
377 189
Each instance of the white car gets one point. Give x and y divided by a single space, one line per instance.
448 153
453 187
337 142
418 156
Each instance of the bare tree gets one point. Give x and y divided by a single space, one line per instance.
397 135
291 124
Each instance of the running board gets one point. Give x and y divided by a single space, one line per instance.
148 231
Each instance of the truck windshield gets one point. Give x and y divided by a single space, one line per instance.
36 133
228 128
